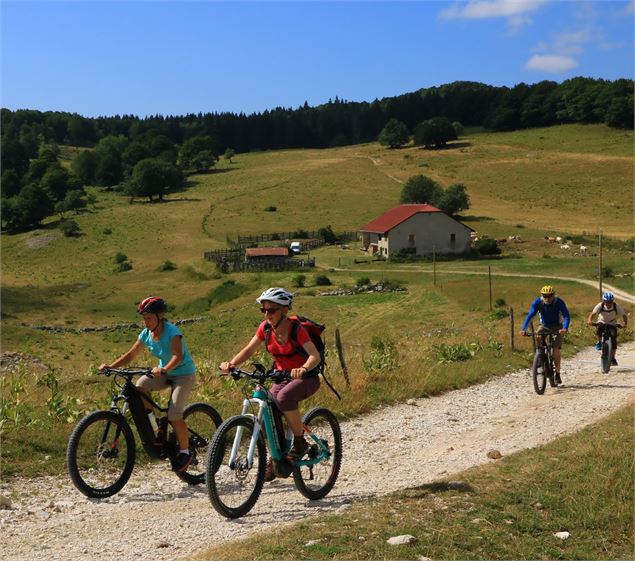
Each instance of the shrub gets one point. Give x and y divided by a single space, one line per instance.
498 314
457 352
271 209
107 231
500 302
69 228
301 235
383 355
120 257
322 280
363 281
123 266
487 246
166 266
299 280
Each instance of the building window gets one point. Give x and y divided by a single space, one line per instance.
411 239
452 240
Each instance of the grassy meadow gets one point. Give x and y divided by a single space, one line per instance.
530 183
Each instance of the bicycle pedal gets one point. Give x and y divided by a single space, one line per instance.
283 468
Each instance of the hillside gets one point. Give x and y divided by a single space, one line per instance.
56 290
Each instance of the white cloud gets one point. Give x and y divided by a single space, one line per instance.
551 63
629 10
570 43
481 9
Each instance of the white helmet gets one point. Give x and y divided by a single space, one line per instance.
277 295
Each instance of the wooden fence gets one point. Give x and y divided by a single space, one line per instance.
242 266
300 235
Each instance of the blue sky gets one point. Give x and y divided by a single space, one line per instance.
172 58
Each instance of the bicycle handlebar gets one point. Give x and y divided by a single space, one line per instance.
260 375
127 372
595 324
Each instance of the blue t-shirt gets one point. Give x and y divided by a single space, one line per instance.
550 314
161 348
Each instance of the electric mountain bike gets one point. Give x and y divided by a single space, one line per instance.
543 367
237 456
101 450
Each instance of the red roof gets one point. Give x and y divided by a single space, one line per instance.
396 216
267 252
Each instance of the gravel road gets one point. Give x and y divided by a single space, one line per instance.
156 517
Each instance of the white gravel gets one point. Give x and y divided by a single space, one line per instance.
157 517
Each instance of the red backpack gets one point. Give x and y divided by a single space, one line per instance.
315 331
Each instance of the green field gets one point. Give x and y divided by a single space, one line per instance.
532 183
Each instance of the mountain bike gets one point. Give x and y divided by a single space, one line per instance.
237 456
101 449
542 368
608 346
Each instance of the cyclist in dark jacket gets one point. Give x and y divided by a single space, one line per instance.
554 319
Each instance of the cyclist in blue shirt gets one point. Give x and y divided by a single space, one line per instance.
554 319
176 368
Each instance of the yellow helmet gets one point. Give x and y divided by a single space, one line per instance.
547 290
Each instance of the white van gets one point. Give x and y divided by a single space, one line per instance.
295 247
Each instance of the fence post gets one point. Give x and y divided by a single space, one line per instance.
489 278
511 326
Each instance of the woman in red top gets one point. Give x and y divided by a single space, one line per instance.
276 303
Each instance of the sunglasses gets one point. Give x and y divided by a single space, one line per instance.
547 296
269 310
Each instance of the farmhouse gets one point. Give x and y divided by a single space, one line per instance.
419 229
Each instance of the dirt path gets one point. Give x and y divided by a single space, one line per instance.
156 517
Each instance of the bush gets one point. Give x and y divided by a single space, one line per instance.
363 281
299 280
383 355
69 228
322 280
301 235
120 257
123 266
271 209
166 266
500 302
107 231
458 352
498 314
487 246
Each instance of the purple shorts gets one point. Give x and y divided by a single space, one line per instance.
290 392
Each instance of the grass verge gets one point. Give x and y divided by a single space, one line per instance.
509 509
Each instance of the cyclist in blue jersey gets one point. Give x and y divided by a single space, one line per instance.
554 319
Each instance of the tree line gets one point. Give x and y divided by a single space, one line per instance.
149 157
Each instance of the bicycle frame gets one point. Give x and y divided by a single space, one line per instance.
265 418
133 402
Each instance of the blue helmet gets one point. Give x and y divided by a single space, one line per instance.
608 297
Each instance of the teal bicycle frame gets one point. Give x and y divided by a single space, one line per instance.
269 417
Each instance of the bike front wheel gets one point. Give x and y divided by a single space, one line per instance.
607 354
234 481
202 421
539 372
101 454
315 481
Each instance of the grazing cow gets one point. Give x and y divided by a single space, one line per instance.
559 239
583 249
550 239
565 246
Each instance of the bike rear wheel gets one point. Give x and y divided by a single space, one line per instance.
101 454
539 372
202 421
316 481
607 354
233 487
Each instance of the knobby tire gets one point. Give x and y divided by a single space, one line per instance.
234 489
316 481
101 454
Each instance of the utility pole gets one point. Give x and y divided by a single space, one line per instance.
600 252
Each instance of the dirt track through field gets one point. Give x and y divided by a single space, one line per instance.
157 517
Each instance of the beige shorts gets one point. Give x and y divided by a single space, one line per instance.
182 387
